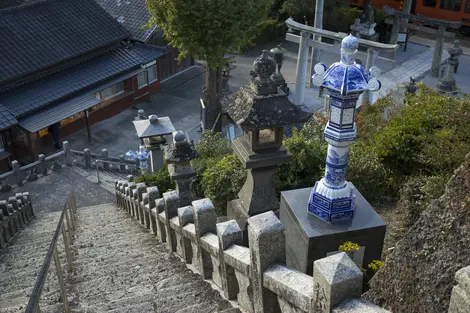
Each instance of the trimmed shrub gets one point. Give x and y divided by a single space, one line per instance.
161 179
223 180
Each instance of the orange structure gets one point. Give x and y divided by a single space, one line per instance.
449 10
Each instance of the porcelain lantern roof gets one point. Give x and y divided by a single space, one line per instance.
346 76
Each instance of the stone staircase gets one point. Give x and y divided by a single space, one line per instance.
20 264
120 267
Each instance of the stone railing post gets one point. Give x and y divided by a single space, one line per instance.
16 171
229 233
172 203
267 246
141 189
185 216
27 198
68 153
23 205
134 202
153 194
161 230
3 243
8 226
205 220
87 158
460 297
335 278
8 211
42 165
105 157
16 205
122 167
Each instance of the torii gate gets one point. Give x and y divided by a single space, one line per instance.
305 41
400 20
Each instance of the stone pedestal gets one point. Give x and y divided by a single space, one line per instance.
309 238
258 194
156 156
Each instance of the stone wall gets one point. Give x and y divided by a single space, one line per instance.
255 277
14 216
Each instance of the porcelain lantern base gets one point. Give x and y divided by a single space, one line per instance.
332 205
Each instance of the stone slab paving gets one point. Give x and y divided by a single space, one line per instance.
49 193
120 267
416 67
20 264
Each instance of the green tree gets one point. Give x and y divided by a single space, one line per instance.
208 30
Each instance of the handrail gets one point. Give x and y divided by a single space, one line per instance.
52 253
110 162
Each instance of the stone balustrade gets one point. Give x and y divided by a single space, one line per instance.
19 175
14 215
256 277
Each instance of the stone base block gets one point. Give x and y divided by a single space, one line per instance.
309 238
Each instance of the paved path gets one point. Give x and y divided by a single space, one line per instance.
120 267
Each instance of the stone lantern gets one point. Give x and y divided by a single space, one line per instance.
153 131
447 84
178 157
261 109
332 198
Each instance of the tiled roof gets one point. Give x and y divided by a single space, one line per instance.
6 118
44 33
30 97
133 15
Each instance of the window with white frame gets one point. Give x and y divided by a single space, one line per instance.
152 74
147 77
112 91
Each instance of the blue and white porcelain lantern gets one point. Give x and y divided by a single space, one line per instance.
332 198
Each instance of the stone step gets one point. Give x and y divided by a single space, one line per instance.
109 232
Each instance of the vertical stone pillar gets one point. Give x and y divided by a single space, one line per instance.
16 171
141 189
229 233
122 166
129 197
205 220
42 165
153 194
302 65
156 157
105 156
159 208
394 35
27 197
438 49
185 216
87 157
172 203
267 246
335 278
317 23
372 54
68 153
8 228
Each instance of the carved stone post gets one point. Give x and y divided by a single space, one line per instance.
335 279
172 203
205 219
16 172
8 225
141 189
42 165
185 216
302 66
153 194
439 48
87 157
267 246
229 233
105 156
68 153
